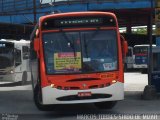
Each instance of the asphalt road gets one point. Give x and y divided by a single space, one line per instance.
16 103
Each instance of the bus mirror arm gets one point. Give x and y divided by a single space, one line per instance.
36 46
125 47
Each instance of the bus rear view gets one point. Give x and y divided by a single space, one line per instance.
78 60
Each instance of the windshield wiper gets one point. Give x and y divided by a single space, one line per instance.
70 42
85 46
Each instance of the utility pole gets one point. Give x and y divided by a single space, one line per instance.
150 66
34 12
150 90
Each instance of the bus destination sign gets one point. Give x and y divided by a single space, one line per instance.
79 21
72 22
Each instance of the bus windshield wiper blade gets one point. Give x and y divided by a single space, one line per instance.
85 46
71 43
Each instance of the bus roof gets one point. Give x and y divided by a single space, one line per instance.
84 13
21 42
145 45
15 41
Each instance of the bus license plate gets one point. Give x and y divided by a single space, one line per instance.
84 94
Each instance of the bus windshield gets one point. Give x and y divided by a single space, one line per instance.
139 50
80 51
6 55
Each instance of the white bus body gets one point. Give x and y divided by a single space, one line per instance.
129 60
14 56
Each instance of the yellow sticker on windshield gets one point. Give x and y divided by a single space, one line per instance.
67 61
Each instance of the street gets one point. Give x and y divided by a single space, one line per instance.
16 103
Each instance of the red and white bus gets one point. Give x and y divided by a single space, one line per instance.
77 58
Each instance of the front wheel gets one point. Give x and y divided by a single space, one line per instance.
105 105
38 100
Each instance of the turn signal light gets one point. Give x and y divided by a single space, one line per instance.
52 85
114 81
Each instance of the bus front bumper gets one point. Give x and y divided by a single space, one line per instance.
7 78
140 66
51 95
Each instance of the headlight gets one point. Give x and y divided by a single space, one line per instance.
52 85
114 81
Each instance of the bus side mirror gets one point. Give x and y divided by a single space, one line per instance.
124 46
36 46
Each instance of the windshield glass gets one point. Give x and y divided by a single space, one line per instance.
6 55
80 51
142 49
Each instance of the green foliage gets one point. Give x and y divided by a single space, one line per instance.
140 31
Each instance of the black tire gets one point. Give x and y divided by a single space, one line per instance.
38 100
24 78
105 105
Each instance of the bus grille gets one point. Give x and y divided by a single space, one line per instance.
75 97
3 73
78 88
83 79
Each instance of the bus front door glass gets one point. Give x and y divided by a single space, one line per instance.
25 51
78 52
18 60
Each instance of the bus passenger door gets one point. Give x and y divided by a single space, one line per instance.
18 65
26 74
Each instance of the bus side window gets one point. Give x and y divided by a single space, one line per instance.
25 51
18 60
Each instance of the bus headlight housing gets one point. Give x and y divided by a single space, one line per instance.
52 85
114 81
